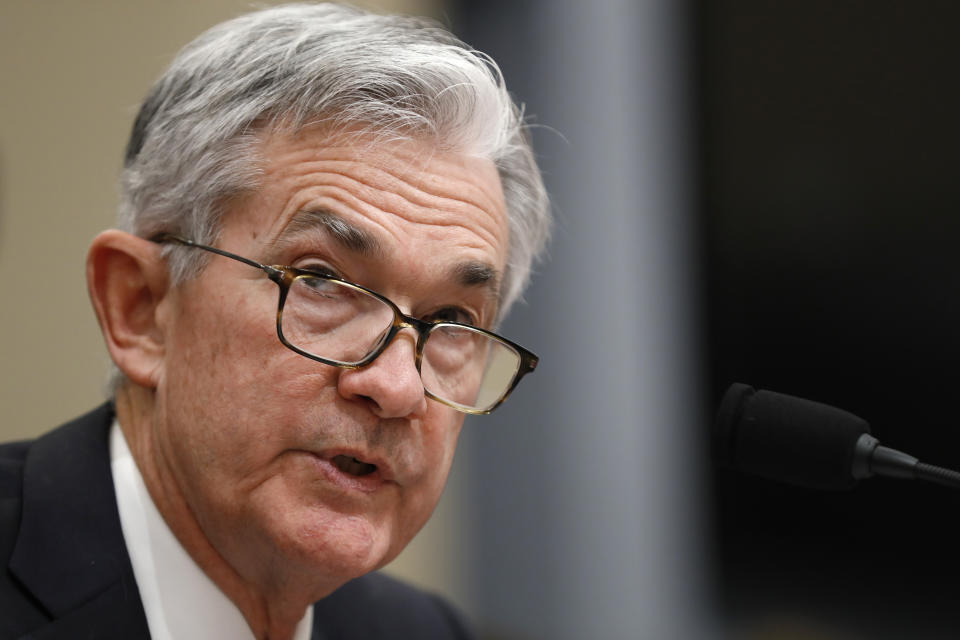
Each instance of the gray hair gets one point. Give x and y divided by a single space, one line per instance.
195 141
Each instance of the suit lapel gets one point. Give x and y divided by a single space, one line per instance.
70 551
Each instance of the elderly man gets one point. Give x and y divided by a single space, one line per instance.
325 213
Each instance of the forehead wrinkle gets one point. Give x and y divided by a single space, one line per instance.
384 205
389 186
347 235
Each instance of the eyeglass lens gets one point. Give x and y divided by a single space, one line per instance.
337 322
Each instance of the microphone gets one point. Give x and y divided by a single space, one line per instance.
809 444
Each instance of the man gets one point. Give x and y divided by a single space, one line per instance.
325 213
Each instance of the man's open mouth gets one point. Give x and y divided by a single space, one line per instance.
352 466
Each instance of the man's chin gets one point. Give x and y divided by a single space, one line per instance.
339 547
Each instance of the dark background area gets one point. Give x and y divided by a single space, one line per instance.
829 198
826 139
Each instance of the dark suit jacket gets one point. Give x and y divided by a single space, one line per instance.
66 573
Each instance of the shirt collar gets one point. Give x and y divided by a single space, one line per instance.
179 599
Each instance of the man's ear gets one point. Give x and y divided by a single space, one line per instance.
127 279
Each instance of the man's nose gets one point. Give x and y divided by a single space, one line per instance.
390 384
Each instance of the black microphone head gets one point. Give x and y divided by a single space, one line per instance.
788 439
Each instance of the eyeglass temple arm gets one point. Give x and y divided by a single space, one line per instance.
160 238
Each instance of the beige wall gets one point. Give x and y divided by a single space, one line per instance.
71 77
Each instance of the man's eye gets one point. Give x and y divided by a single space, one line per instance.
451 314
322 285
320 269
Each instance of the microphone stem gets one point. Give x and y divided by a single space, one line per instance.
939 475
884 461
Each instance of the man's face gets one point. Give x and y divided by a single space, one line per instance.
251 433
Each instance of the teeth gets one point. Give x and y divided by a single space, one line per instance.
353 466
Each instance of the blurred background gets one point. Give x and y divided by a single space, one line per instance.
828 210
745 191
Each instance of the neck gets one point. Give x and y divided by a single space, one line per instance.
274 617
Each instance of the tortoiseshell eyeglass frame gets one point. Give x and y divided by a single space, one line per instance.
285 276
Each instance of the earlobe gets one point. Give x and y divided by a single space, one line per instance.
127 280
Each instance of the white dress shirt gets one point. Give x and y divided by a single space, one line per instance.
180 601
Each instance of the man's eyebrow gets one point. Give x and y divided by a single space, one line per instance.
347 235
471 273
478 274
474 273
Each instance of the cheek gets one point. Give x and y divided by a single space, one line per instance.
223 341
440 445
232 384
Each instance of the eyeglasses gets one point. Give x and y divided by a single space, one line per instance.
343 324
